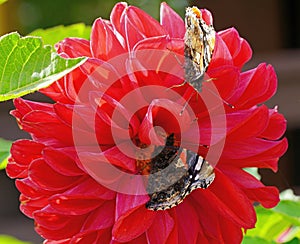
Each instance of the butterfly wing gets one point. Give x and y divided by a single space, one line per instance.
200 171
199 43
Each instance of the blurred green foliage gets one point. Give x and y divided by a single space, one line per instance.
4 239
4 152
34 14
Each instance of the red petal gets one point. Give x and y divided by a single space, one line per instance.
231 233
15 170
74 205
209 231
66 89
91 189
253 188
86 237
47 127
127 228
161 228
207 16
101 218
145 23
214 227
228 200
81 124
276 127
29 206
39 173
158 110
256 148
132 35
141 239
74 47
225 79
202 239
103 172
239 48
187 233
221 55
244 55
173 236
25 151
248 123
171 21
31 190
115 156
137 25
61 163
64 241
125 204
24 107
117 14
50 219
256 86
65 112
54 226
155 44
268 196
104 43
132 217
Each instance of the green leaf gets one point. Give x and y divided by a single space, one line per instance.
270 224
293 241
27 66
55 34
256 240
289 208
4 152
279 223
4 239
3 1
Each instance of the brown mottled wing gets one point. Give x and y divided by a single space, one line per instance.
199 43
200 171
168 177
183 172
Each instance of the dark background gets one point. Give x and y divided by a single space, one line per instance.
272 27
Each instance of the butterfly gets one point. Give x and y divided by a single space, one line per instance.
199 44
174 173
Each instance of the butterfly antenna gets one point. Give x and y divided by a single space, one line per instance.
217 95
185 105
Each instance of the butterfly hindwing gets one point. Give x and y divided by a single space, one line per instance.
200 171
184 172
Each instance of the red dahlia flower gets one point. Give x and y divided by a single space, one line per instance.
116 107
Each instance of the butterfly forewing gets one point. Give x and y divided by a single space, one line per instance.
199 43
